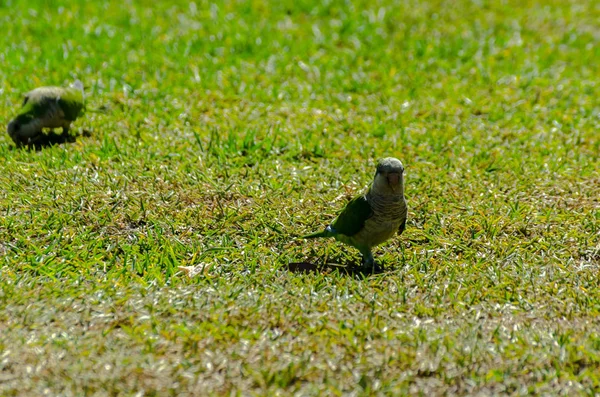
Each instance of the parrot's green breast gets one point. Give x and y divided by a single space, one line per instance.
367 223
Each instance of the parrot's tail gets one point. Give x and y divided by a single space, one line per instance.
324 233
77 84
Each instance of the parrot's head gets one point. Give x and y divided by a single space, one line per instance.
22 127
389 178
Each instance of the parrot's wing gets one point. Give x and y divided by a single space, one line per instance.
353 217
402 226
71 103
43 107
33 108
39 102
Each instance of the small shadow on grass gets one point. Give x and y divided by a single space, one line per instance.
348 268
51 139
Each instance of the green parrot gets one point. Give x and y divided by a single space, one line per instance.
46 107
374 217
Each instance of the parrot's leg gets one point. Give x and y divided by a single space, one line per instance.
20 142
32 140
65 137
368 260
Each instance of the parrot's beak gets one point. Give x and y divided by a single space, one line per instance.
393 178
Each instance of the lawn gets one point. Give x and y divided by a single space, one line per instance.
226 130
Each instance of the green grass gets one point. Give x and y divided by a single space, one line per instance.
237 126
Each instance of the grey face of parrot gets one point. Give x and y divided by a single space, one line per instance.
21 128
389 178
14 130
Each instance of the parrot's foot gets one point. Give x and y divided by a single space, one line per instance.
373 268
19 143
42 140
369 263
